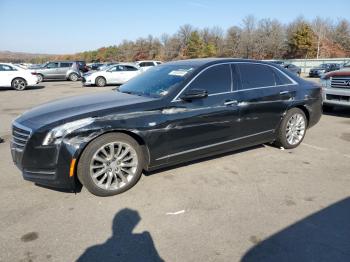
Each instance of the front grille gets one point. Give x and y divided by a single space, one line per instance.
338 98
20 136
340 82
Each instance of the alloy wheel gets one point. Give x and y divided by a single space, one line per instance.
19 84
114 165
295 130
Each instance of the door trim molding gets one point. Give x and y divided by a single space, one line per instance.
212 145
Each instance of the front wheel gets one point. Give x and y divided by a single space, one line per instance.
100 81
111 164
292 129
19 84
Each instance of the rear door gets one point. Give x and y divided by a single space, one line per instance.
264 95
130 72
63 68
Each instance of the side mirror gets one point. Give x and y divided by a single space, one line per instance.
194 94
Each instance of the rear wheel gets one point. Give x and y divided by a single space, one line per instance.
100 81
40 77
292 129
19 84
73 77
110 165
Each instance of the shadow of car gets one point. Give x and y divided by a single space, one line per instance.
323 236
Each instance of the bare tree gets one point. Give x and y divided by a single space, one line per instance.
321 28
248 36
270 40
232 42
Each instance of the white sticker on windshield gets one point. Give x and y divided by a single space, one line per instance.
179 72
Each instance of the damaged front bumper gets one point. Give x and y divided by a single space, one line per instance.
51 166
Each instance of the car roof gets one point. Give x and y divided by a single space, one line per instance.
127 64
140 61
199 62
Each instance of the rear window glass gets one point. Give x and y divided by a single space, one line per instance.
281 79
256 75
130 68
146 64
65 64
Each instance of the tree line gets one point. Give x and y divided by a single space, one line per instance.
253 38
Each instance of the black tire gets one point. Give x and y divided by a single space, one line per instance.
73 77
40 77
100 81
19 84
83 168
281 138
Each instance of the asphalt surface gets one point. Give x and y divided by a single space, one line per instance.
259 204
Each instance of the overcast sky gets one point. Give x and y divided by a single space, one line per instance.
64 26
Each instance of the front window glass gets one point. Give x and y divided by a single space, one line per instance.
158 81
52 65
216 79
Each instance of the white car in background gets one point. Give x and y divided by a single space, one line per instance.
16 77
115 74
147 64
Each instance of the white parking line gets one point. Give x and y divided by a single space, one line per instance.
324 149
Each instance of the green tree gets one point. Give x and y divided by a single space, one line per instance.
209 50
301 42
194 46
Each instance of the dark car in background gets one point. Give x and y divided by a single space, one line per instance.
173 113
277 62
293 68
61 70
95 66
322 69
290 67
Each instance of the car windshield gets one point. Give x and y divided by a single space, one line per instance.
157 81
347 64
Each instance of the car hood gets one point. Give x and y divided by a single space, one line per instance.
341 72
78 107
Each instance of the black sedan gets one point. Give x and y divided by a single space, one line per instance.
322 69
173 113
293 68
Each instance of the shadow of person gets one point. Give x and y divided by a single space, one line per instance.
123 245
322 237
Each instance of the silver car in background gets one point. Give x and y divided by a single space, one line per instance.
60 70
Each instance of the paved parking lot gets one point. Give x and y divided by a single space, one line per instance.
259 204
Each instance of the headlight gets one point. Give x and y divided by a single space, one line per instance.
56 134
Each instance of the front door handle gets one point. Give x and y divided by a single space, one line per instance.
230 102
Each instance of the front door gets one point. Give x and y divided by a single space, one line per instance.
51 70
203 125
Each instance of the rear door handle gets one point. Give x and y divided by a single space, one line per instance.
284 92
230 102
